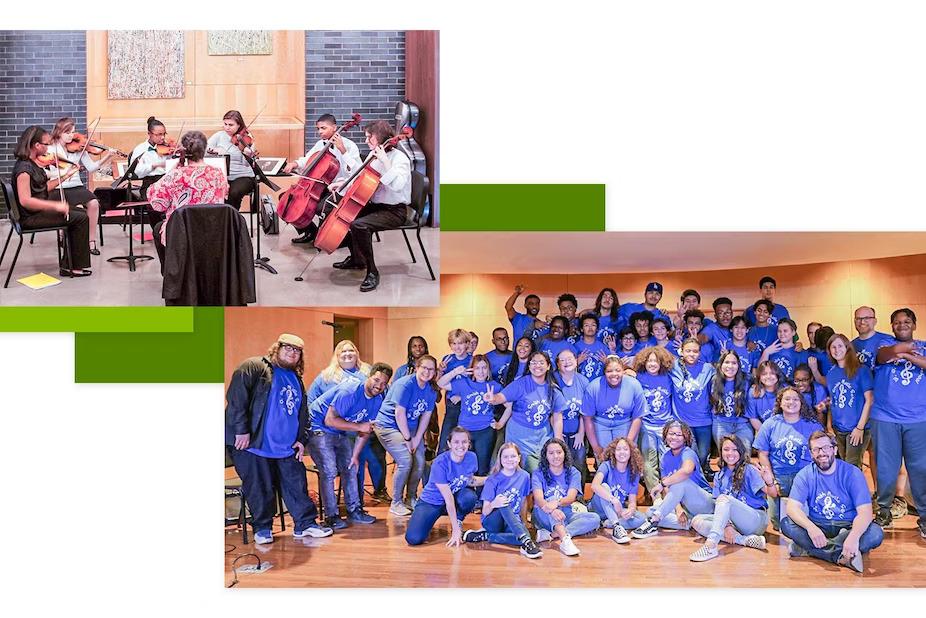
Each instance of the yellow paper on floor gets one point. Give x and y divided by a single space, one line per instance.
39 281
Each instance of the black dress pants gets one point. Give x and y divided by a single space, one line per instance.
78 232
237 189
373 218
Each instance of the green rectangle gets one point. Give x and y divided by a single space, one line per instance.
96 319
522 208
198 356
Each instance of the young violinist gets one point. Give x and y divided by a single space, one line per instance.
386 209
32 186
151 162
240 174
344 150
75 193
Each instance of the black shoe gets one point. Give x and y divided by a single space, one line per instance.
709 475
475 536
336 523
93 249
303 239
360 517
884 519
80 273
381 496
370 283
348 264
530 549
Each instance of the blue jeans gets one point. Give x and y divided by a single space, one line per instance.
693 498
776 505
576 523
895 442
505 527
258 477
483 443
607 431
741 429
408 467
727 509
374 456
451 420
331 453
652 448
702 444
608 513
830 552
530 440
426 515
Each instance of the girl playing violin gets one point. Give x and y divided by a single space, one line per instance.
385 210
32 186
240 174
152 162
75 193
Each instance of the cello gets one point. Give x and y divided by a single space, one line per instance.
362 184
299 204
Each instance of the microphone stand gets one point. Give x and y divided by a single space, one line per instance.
260 178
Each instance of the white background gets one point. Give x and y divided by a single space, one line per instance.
697 116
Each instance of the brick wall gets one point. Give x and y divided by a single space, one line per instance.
43 76
353 71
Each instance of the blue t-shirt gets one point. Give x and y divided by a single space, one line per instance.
847 397
831 498
718 338
671 463
823 360
752 491
532 403
281 416
761 407
516 487
320 384
416 400
900 390
786 443
553 348
815 395
788 360
779 312
445 471
569 478
591 367
573 394
498 363
748 360
628 309
867 349
691 393
522 325
402 370
453 362
762 336
350 401
614 404
609 326
728 404
475 413
621 484
657 390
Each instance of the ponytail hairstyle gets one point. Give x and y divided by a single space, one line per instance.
153 123
194 145
410 360
235 115
29 138
719 386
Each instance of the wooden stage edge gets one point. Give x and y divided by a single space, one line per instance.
376 555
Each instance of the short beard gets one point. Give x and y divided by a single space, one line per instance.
283 364
832 460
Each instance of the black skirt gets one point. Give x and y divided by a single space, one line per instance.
74 196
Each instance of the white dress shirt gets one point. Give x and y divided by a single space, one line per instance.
348 160
395 185
147 156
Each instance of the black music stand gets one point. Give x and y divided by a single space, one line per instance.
260 177
130 207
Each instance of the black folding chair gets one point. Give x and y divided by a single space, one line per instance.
12 202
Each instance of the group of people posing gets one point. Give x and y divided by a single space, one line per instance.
47 183
647 395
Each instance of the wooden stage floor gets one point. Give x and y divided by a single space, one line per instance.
377 556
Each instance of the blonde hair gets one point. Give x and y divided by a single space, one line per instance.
459 333
333 372
498 460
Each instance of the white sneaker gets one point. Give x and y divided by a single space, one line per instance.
262 537
543 535
705 553
568 547
756 541
400 510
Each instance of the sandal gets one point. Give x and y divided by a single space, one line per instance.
93 249
80 273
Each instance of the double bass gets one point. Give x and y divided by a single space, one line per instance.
299 204
360 188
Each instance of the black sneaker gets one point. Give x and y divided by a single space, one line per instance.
336 523
382 496
530 549
884 519
922 528
475 536
360 517
619 535
645 531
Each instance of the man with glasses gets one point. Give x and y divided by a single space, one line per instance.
868 340
898 417
266 423
829 509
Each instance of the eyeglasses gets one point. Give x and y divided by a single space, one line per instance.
867 317
674 434
821 449
537 364
290 348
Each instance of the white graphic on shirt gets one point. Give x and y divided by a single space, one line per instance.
788 448
360 415
419 408
612 411
477 405
537 412
555 492
590 368
657 397
830 506
843 395
514 498
501 372
288 398
784 363
572 408
729 406
690 390
458 483
866 357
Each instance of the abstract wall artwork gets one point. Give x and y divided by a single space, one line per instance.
240 42
145 64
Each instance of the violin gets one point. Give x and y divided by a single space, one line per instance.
77 144
363 184
49 159
300 203
168 148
